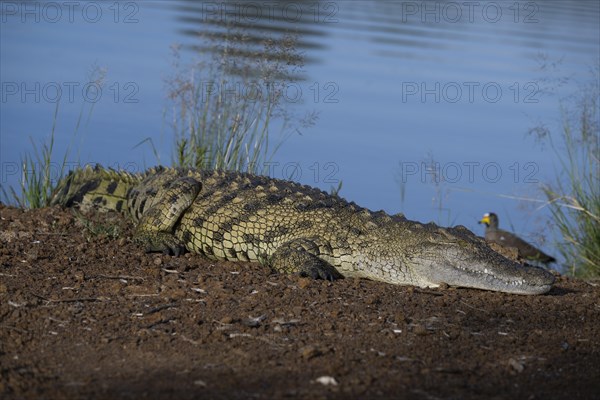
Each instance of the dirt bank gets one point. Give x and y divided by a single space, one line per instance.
84 313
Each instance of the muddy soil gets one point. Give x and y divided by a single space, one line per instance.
86 314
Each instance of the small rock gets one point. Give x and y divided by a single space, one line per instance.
326 380
516 365
33 254
79 275
420 330
309 351
401 318
453 333
253 322
303 283
157 261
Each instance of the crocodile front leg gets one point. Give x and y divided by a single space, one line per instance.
155 229
302 256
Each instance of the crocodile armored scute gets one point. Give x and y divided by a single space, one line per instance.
292 228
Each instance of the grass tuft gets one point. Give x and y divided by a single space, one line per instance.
574 198
224 109
40 174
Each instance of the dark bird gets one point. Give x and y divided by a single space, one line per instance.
507 239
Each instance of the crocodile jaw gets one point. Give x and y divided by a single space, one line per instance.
497 274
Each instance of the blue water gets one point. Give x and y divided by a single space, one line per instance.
397 85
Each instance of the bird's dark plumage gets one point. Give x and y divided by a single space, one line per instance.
507 239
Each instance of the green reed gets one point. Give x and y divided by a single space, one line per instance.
574 197
224 109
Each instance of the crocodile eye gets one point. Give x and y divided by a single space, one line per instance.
442 238
435 236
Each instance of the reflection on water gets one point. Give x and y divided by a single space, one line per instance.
250 29
391 29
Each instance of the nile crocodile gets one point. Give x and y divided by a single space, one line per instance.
293 228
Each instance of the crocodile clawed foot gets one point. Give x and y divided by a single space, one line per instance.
301 257
321 271
176 250
160 242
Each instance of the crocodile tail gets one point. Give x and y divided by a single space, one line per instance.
95 187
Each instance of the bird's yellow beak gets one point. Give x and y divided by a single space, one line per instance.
485 219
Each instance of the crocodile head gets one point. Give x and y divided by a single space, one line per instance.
455 256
